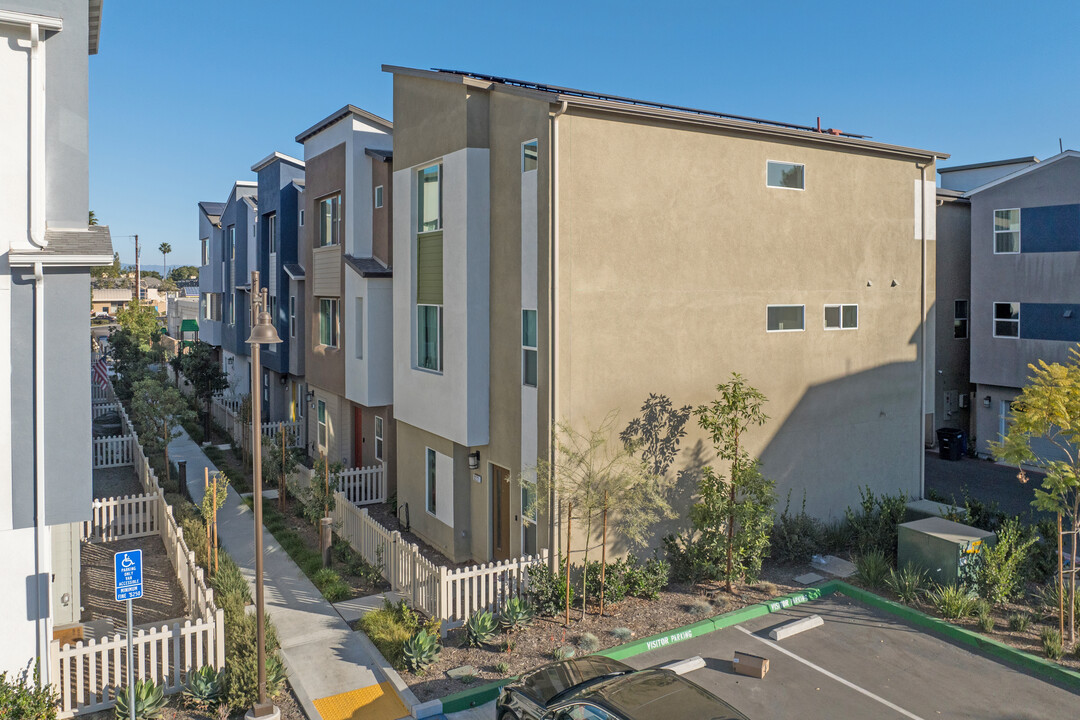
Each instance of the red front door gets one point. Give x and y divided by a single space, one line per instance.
358 437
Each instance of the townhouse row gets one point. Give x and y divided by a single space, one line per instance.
508 255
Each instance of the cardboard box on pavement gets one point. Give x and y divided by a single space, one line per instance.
750 665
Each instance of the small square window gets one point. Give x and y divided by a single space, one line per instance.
841 317
1007 319
791 176
378 196
529 155
785 318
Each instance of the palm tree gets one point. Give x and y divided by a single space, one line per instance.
164 249
92 220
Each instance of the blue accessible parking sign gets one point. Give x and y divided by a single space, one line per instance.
128 571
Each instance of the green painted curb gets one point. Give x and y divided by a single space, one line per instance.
1037 665
477 696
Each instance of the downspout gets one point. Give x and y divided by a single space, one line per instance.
553 324
39 473
37 137
922 333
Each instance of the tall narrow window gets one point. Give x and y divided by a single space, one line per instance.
292 316
791 176
360 328
329 220
1007 319
378 196
429 199
205 249
528 347
231 235
328 322
232 309
430 480
301 218
529 156
429 337
378 438
271 231
266 388
1006 231
322 423
429 300
785 318
960 319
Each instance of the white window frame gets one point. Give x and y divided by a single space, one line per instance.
271 232
301 400
529 142
301 217
785 305
841 307
439 178
378 196
431 469
529 348
1019 235
205 250
322 438
232 310
995 320
335 311
784 162
966 318
335 220
379 437
438 340
230 234
292 316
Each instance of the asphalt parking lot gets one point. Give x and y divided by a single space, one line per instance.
862 664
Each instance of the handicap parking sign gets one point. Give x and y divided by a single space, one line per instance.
127 566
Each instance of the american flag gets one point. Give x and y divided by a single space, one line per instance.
100 373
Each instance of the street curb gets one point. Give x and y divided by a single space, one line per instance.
1045 669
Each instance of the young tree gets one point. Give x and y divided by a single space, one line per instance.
1048 410
279 464
205 375
217 490
733 517
141 321
318 497
158 409
595 474
165 248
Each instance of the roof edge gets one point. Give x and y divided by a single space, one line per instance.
1024 171
992 163
276 156
344 112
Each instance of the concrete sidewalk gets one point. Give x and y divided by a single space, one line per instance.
332 669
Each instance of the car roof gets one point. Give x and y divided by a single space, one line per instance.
648 694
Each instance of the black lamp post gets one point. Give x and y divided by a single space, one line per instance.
262 331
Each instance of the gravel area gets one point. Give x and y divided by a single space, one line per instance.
116 482
162 597
535 645
175 710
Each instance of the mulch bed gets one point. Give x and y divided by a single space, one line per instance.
380 513
162 599
116 482
535 645
175 710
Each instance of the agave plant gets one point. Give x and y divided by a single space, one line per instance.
421 650
275 674
516 613
149 700
204 687
480 628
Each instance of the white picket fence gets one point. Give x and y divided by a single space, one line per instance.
113 451
100 408
452 595
271 429
364 485
88 675
122 518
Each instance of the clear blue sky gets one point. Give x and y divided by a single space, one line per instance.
186 97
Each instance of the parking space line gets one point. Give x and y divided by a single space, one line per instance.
834 676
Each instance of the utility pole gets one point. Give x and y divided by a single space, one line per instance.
138 278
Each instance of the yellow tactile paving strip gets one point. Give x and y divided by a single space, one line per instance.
377 702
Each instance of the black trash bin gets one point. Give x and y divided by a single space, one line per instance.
949 443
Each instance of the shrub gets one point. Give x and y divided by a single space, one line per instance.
228 580
1042 556
515 613
998 568
699 606
952 601
873 568
588 643
646 580
20 698
391 626
908 584
241 663
614 581
985 622
480 628
622 634
837 535
149 700
769 588
330 584
547 589
1047 598
874 523
796 536
421 650
1018 622
1051 642
502 667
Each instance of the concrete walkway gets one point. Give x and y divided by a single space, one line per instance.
332 669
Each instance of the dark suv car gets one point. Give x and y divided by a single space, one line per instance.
599 688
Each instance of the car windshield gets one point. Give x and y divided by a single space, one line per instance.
658 693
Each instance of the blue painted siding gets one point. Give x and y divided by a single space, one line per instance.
1047 321
277 195
1053 228
233 337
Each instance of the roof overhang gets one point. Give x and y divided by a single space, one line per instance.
45 22
997 163
94 25
1023 171
294 271
347 111
276 156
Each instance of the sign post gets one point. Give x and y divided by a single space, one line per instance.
127 570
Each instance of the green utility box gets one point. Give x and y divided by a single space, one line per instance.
939 546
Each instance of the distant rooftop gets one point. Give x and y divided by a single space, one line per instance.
276 156
993 163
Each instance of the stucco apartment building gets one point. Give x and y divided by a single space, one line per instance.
47 250
238 258
347 265
559 255
1024 239
211 271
